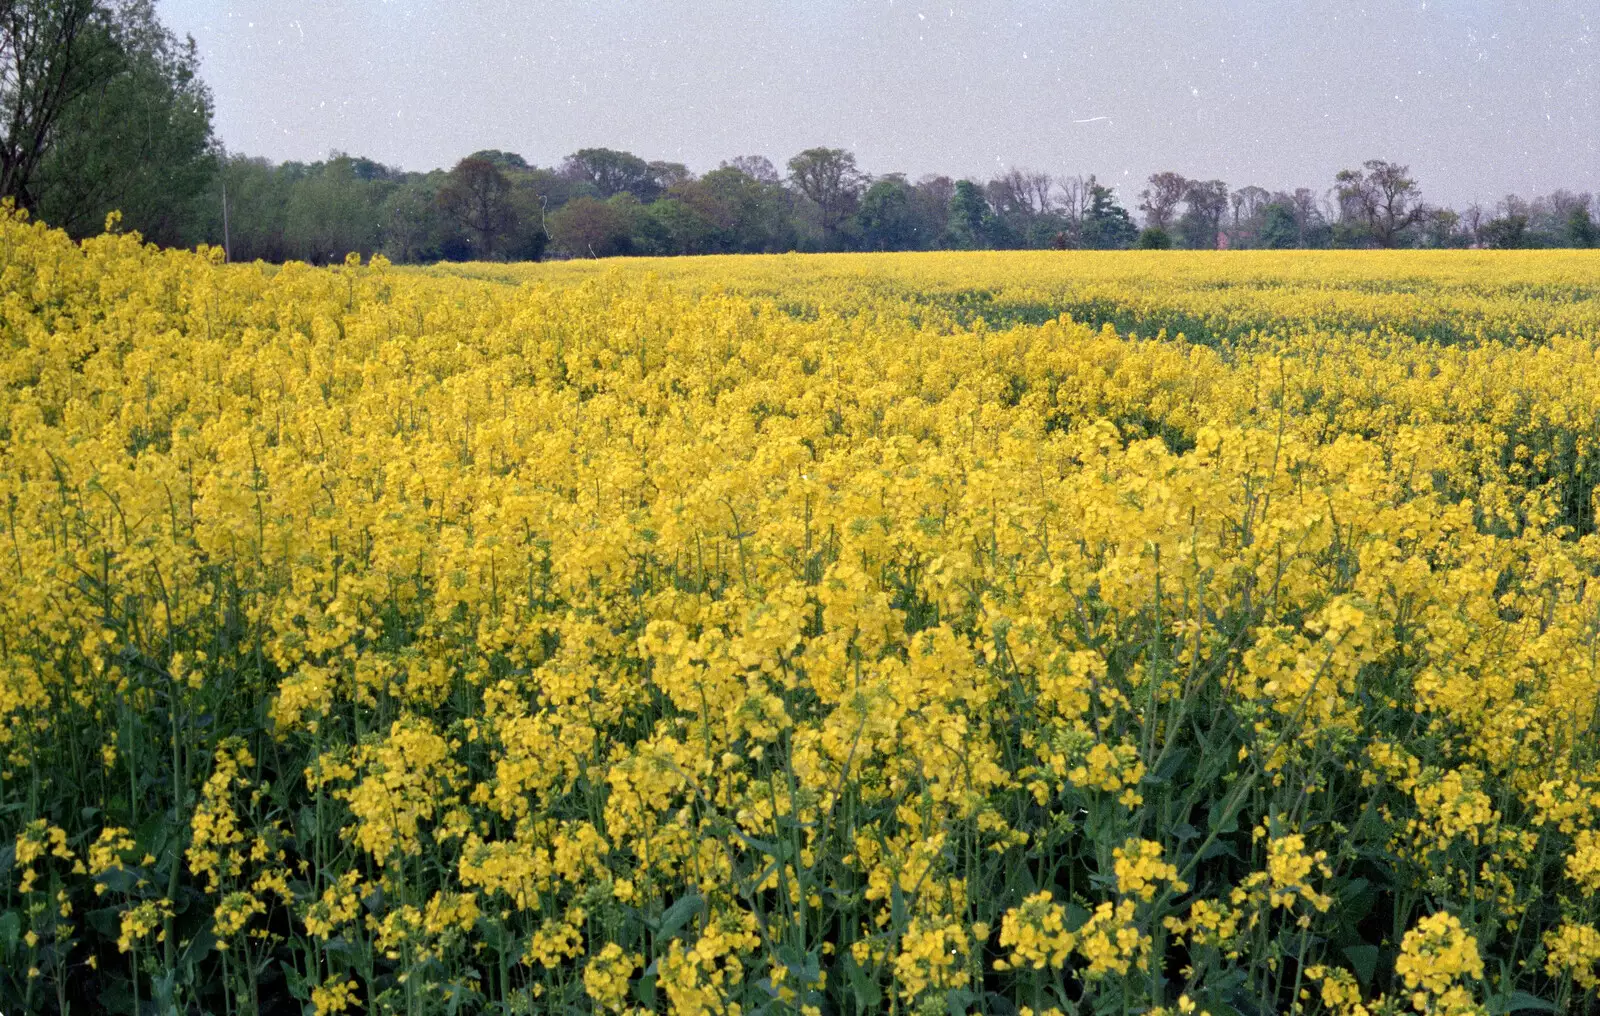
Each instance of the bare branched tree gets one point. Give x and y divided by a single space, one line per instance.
1383 198
1159 201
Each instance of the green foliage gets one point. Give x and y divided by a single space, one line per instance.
970 218
589 227
886 219
611 172
1279 230
1506 233
1581 229
1107 226
136 135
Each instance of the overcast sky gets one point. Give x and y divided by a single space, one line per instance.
1479 98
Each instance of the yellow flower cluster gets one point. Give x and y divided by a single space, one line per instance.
1115 632
1139 868
1434 956
1036 934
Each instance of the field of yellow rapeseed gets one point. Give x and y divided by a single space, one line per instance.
1002 633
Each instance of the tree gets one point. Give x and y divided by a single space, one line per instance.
1024 202
104 110
1279 228
411 223
1311 224
1159 201
930 205
1581 230
830 181
1382 200
1107 226
757 167
509 162
477 195
666 175
52 52
680 228
585 227
1154 238
611 172
751 214
332 211
1441 228
886 219
1506 232
1077 197
258 196
1248 202
969 216
1206 201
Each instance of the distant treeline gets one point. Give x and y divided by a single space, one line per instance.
103 110
600 202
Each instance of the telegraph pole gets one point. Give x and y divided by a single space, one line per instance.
227 248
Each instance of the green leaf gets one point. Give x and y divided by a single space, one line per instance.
1364 960
198 947
107 921
1521 1001
10 930
644 989
865 986
1077 917
676 916
299 987
897 905
1222 821
123 880
1170 766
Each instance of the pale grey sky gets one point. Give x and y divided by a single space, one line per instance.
1480 98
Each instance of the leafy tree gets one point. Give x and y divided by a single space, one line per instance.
828 178
1581 230
1107 226
333 211
477 195
681 228
1279 228
52 53
532 197
756 167
970 216
611 172
1506 232
104 110
1382 200
886 219
666 175
258 195
1154 238
412 227
507 162
1441 228
587 227
751 214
